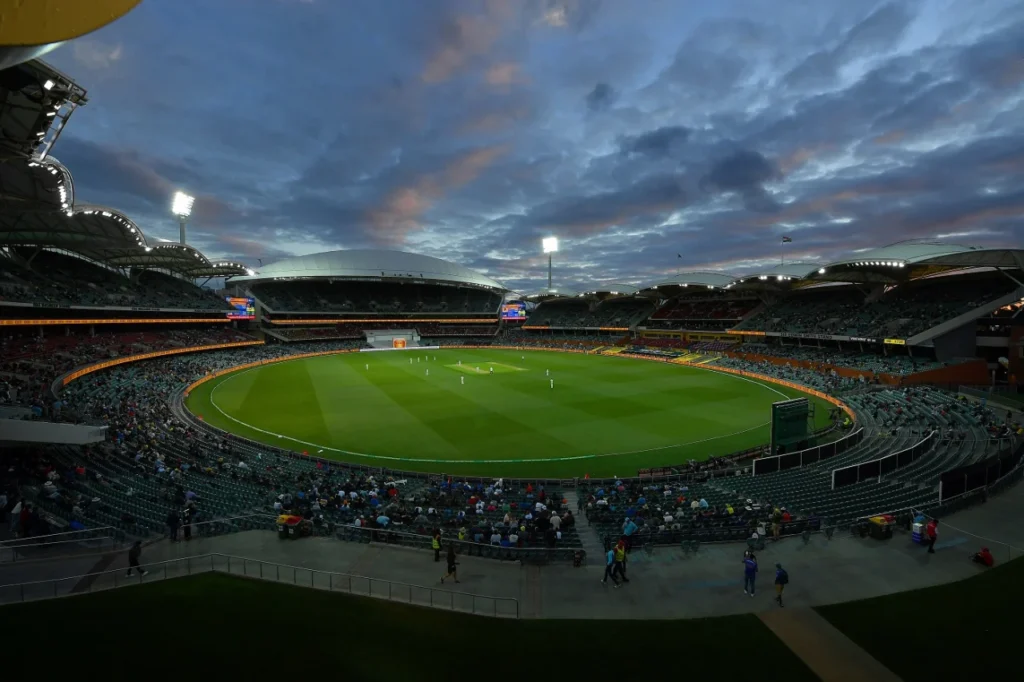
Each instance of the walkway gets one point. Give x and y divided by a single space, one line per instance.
829 653
665 584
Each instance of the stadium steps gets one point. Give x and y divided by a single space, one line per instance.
587 534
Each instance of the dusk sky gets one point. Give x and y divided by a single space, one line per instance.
634 130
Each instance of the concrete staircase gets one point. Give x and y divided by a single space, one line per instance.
588 536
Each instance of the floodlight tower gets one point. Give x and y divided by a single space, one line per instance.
182 207
550 245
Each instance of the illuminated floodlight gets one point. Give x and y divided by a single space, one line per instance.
550 245
48 85
182 205
821 271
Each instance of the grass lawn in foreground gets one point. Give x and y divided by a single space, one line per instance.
423 411
207 625
959 631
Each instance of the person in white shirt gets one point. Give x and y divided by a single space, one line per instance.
555 522
495 538
540 506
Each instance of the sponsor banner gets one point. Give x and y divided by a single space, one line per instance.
133 320
376 350
316 321
896 342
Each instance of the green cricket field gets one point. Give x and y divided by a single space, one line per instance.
498 412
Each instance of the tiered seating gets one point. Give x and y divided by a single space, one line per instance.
704 312
872 362
58 279
902 312
896 420
30 363
354 330
381 297
617 312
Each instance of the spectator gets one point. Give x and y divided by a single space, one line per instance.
781 580
133 559
984 557
749 574
451 564
609 567
932 533
620 561
173 522
435 543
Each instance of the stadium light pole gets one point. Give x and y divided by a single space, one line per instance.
550 245
182 207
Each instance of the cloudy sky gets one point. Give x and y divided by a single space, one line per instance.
636 131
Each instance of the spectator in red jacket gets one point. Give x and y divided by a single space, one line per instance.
984 557
932 533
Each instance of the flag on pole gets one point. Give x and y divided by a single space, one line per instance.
786 240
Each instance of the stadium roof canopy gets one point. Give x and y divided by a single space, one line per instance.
676 285
550 295
780 277
609 290
36 101
914 259
371 264
37 195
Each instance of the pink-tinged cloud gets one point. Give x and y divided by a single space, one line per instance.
402 210
505 74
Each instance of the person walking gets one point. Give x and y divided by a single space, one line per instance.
435 543
749 574
781 580
620 561
452 563
932 531
609 567
133 559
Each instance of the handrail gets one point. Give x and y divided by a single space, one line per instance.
245 560
231 518
24 548
8 543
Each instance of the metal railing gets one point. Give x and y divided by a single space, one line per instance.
82 534
349 583
60 549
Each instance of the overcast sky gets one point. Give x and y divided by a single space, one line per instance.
634 130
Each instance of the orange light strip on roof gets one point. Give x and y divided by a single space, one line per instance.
135 320
154 354
403 321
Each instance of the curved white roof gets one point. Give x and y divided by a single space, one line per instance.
709 279
371 263
905 260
